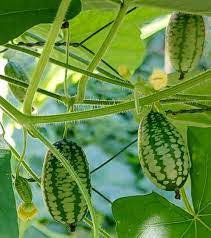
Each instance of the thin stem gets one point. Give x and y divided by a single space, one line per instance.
23 152
121 107
74 56
184 111
106 63
101 195
102 50
186 201
66 79
11 110
102 232
72 172
39 90
76 69
25 165
179 98
45 56
113 157
103 28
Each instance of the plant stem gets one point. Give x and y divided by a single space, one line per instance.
25 85
75 69
186 201
121 107
97 58
25 165
72 172
103 232
76 57
45 56
11 110
23 153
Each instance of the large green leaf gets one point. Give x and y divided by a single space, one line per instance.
127 48
151 216
199 147
154 216
106 4
18 16
8 216
194 6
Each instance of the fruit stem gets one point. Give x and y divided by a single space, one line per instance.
186 201
45 56
104 47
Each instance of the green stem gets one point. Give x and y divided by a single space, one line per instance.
25 165
11 111
97 58
178 98
121 107
23 153
66 80
186 201
72 172
76 57
45 56
103 232
114 81
25 85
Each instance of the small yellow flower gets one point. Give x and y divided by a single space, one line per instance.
158 79
124 71
26 211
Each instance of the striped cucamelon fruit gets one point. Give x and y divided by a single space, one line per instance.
23 189
185 37
62 195
162 152
14 70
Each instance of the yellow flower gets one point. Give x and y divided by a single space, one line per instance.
26 211
158 79
124 71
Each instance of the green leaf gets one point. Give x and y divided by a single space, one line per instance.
194 6
8 216
200 153
154 216
127 49
151 216
14 13
106 4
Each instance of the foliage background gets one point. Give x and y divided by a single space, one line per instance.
100 138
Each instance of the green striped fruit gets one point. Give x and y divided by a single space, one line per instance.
14 70
162 152
62 195
23 189
185 37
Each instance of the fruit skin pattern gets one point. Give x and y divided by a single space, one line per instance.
185 37
14 70
162 152
63 198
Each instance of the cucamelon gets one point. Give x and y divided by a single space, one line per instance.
14 70
162 152
27 209
62 195
185 38
23 189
